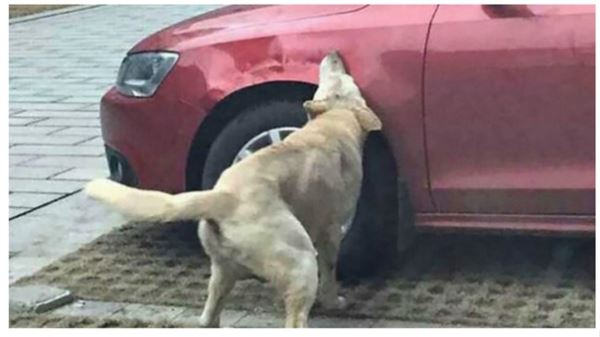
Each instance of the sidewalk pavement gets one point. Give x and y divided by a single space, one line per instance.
59 68
189 317
175 316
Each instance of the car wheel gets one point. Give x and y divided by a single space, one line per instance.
370 236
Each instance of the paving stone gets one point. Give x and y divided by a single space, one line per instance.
260 321
59 114
78 210
46 140
96 141
30 200
68 122
17 83
33 172
86 91
57 150
32 130
19 266
25 72
191 317
76 220
109 74
83 174
47 105
34 99
78 131
69 162
20 95
44 186
404 324
21 121
51 13
14 211
90 308
95 107
27 231
14 160
37 298
20 91
85 99
148 312
336 322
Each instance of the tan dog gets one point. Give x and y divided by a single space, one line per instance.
268 213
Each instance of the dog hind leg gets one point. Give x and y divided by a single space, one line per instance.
295 276
300 291
220 284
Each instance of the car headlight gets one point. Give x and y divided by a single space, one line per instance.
141 73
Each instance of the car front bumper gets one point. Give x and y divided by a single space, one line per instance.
148 140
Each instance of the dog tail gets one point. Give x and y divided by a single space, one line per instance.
141 205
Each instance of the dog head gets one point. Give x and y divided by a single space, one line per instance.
337 90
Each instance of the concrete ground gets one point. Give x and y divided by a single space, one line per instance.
121 315
188 317
59 67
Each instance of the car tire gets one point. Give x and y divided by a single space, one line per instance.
371 242
373 232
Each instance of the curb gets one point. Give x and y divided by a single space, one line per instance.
50 13
37 298
188 317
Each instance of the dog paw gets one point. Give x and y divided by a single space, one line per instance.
207 323
341 303
338 303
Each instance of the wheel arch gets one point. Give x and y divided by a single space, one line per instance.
226 110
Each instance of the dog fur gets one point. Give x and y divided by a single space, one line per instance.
276 214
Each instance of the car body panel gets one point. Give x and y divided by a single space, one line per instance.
510 110
154 147
233 23
573 225
223 54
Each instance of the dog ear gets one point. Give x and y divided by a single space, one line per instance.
315 107
367 119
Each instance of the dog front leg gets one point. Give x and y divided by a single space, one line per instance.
220 284
328 287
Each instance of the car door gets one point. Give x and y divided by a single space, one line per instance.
509 109
383 48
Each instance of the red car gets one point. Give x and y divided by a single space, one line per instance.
488 111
